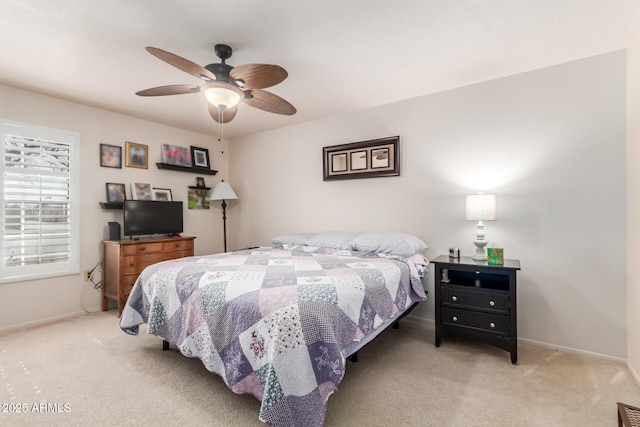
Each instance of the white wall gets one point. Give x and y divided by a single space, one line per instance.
549 143
26 302
633 208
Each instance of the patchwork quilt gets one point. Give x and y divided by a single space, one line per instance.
273 322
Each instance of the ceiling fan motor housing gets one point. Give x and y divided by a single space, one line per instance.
221 71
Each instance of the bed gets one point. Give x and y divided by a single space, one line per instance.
279 322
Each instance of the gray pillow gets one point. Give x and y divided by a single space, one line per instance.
336 240
402 244
291 239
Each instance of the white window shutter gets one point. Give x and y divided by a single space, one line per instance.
39 212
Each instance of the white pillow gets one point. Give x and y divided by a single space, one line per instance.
291 239
402 244
336 240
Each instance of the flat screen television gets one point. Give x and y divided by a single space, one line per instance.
152 217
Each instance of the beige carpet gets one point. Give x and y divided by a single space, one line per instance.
91 373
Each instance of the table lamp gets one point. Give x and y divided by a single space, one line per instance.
480 207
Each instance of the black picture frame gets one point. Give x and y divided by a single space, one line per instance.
116 192
364 159
110 156
200 158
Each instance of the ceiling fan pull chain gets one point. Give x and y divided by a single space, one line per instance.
220 124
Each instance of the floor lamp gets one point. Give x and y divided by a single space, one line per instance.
224 192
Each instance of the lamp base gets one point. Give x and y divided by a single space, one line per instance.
479 257
480 242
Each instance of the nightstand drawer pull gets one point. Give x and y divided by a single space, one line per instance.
454 298
493 325
455 318
492 303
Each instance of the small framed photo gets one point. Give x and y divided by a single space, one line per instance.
116 192
137 155
174 155
141 191
110 156
200 157
162 194
200 182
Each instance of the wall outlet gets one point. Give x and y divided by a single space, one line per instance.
87 275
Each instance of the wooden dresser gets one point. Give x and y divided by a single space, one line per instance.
124 260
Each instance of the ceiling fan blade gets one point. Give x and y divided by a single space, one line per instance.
267 101
227 114
258 76
169 90
182 64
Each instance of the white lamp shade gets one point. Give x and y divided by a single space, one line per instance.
223 191
481 207
222 94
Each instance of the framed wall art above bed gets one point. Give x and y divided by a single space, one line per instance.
365 159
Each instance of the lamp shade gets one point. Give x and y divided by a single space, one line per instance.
223 191
222 94
481 207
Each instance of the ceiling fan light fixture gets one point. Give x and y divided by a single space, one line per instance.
222 95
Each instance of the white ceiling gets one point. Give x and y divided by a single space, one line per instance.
341 55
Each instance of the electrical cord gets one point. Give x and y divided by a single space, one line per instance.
96 285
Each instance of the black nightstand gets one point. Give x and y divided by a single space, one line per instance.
478 301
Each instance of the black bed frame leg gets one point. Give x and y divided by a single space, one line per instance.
165 345
353 358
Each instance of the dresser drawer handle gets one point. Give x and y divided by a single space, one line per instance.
492 303
455 318
132 265
493 325
142 248
454 298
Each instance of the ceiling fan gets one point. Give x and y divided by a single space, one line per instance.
224 86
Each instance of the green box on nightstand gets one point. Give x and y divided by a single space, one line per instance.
495 256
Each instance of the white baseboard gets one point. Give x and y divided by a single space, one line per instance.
576 351
633 372
554 347
46 320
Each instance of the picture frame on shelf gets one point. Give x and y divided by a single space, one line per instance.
116 192
200 182
175 155
110 156
137 155
141 191
200 158
162 194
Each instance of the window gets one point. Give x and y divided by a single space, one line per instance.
39 214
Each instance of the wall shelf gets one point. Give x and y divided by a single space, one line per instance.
190 169
111 205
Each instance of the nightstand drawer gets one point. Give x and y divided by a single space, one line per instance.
485 322
481 299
